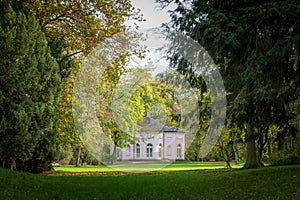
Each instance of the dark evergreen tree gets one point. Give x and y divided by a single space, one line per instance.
29 90
256 44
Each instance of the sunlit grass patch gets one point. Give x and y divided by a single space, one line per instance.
145 166
85 168
188 166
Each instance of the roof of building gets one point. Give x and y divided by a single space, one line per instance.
151 125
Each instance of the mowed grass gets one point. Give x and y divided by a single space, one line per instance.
74 169
266 183
146 167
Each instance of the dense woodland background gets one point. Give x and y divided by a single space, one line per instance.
255 45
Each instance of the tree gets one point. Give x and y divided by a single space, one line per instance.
93 91
254 44
73 29
72 37
195 105
28 93
153 97
136 95
82 25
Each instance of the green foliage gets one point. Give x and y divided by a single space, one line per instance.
287 155
82 25
29 92
67 65
137 95
85 158
158 101
256 46
187 86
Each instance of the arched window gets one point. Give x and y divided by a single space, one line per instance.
149 150
160 150
179 151
138 150
169 150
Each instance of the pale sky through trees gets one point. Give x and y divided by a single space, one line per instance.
154 17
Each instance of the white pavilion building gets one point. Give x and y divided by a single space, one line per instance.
154 142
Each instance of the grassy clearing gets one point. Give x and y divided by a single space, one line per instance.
189 166
72 168
146 167
266 183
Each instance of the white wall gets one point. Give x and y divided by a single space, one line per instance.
166 139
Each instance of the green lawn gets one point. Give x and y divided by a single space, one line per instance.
147 166
267 183
74 169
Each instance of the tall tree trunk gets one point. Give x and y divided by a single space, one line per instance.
78 157
13 165
262 141
223 152
261 145
113 155
235 151
252 160
226 157
269 148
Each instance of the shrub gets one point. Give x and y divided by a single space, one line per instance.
290 155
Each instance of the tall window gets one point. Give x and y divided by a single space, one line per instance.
138 150
169 150
149 150
160 150
128 150
179 153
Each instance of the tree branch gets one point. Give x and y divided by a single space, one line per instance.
54 19
75 53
